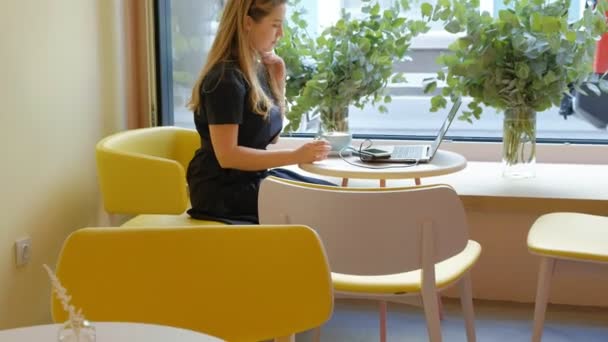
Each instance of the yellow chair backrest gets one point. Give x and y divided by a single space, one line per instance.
142 171
371 230
242 283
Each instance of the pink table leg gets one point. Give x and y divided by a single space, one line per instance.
383 321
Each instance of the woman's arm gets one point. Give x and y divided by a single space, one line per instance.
277 71
232 156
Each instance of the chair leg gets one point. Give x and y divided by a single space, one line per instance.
547 266
383 310
290 338
316 334
114 220
440 306
466 301
431 313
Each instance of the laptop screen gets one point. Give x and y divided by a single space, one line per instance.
445 126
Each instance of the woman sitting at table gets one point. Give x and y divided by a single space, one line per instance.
238 105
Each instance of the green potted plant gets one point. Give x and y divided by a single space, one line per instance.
349 63
520 62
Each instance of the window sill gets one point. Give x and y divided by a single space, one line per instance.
560 184
552 181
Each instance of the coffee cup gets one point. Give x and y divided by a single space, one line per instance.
337 140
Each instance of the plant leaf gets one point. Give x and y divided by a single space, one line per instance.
426 9
453 26
430 87
603 84
594 88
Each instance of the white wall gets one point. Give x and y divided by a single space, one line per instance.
62 67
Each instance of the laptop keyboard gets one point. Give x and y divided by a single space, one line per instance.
408 152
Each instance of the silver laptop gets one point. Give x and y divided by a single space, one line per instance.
419 153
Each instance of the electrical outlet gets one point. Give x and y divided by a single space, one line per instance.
23 251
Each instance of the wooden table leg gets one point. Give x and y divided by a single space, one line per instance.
344 181
383 183
417 180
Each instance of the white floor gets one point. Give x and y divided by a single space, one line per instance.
357 320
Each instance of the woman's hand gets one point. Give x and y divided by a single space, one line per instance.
275 65
313 151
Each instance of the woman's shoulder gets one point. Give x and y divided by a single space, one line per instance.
227 72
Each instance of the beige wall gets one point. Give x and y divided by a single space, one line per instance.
62 69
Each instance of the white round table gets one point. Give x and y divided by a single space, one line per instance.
443 162
109 332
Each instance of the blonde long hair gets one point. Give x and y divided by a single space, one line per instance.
230 40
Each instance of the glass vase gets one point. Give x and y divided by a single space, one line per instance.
334 119
519 143
79 331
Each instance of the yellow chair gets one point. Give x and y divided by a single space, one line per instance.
384 242
238 283
564 236
142 172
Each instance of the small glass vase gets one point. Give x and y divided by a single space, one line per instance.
80 331
334 119
519 143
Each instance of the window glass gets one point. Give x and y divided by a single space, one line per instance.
193 25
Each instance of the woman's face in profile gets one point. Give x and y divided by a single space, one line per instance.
263 35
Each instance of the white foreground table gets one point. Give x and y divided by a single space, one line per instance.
109 332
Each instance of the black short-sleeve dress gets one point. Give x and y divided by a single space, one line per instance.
231 195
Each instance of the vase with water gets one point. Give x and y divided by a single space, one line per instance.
519 143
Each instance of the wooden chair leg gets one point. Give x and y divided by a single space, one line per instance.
290 338
440 306
316 334
466 301
547 266
114 220
383 313
431 313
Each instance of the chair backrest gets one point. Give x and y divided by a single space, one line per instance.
242 283
370 230
142 171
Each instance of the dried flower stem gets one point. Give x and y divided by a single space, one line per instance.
74 316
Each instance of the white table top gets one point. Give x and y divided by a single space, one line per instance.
109 332
444 162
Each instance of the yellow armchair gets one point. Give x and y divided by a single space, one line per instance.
243 283
142 172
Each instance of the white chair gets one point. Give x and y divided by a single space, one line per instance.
384 241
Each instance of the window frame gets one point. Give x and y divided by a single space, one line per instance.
164 62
